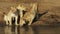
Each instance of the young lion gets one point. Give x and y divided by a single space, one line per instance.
15 13
8 17
22 9
30 14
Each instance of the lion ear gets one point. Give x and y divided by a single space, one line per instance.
12 8
31 6
19 6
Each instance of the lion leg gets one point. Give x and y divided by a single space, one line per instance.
16 21
30 21
22 22
6 22
10 23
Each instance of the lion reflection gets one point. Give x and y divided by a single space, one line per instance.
18 30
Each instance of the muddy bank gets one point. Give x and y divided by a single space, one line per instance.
50 18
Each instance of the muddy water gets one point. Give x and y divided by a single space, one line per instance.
30 30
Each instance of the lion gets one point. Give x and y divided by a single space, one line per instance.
30 14
15 14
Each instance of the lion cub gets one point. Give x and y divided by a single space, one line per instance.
30 14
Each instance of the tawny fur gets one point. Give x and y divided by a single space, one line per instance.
12 13
29 16
9 16
21 8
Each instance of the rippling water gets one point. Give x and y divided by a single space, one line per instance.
30 30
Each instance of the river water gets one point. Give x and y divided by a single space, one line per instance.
30 30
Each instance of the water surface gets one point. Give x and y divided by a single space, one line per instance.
30 30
